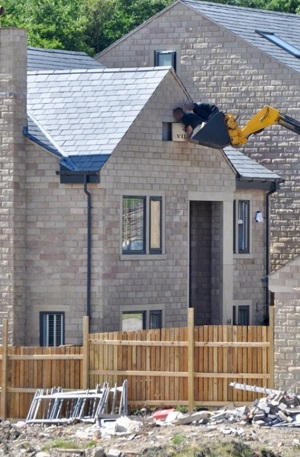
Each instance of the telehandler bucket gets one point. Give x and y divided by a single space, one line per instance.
214 133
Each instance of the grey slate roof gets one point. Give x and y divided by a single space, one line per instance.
53 59
244 21
247 169
82 114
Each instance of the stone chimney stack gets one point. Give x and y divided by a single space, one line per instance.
13 88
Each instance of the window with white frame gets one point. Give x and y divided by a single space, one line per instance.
141 225
241 229
141 320
52 329
165 58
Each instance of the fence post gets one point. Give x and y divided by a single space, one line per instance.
272 352
191 359
86 355
4 370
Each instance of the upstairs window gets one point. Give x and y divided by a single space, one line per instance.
165 59
142 225
280 42
241 229
52 331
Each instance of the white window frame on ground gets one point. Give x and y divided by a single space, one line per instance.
142 318
242 226
52 328
142 225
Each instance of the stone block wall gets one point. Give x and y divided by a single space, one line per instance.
13 76
285 285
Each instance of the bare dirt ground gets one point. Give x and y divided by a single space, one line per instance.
18 439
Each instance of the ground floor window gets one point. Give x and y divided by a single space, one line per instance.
141 320
52 329
241 315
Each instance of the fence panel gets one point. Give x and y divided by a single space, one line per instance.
172 366
29 368
156 363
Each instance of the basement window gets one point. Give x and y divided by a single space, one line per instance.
52 329
280 42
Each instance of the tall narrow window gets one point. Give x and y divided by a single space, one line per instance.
241 226
52 329
142 225
155 319
165 59
155 224
244 315
133 222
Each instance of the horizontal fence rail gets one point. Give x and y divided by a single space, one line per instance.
172 366
187 365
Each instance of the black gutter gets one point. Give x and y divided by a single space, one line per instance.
85 175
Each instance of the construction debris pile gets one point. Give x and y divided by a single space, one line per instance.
278 409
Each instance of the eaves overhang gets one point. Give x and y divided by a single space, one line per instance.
78 176
258 184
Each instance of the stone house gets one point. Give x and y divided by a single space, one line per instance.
240 59
103 215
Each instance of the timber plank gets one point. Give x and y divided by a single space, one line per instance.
172 366
176 364
206 365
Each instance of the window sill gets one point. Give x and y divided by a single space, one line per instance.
143 257
243 256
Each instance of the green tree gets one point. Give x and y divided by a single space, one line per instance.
92 25
284 6
59 24
109 20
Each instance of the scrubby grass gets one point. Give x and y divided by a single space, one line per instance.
232 449
60 444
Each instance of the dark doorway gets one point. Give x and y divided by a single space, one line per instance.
205 261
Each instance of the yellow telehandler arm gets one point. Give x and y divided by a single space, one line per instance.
223 130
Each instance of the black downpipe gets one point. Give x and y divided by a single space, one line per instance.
89 249
275 188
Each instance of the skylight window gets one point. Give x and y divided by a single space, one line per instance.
280 42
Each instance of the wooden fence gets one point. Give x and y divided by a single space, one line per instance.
187 366
176 366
